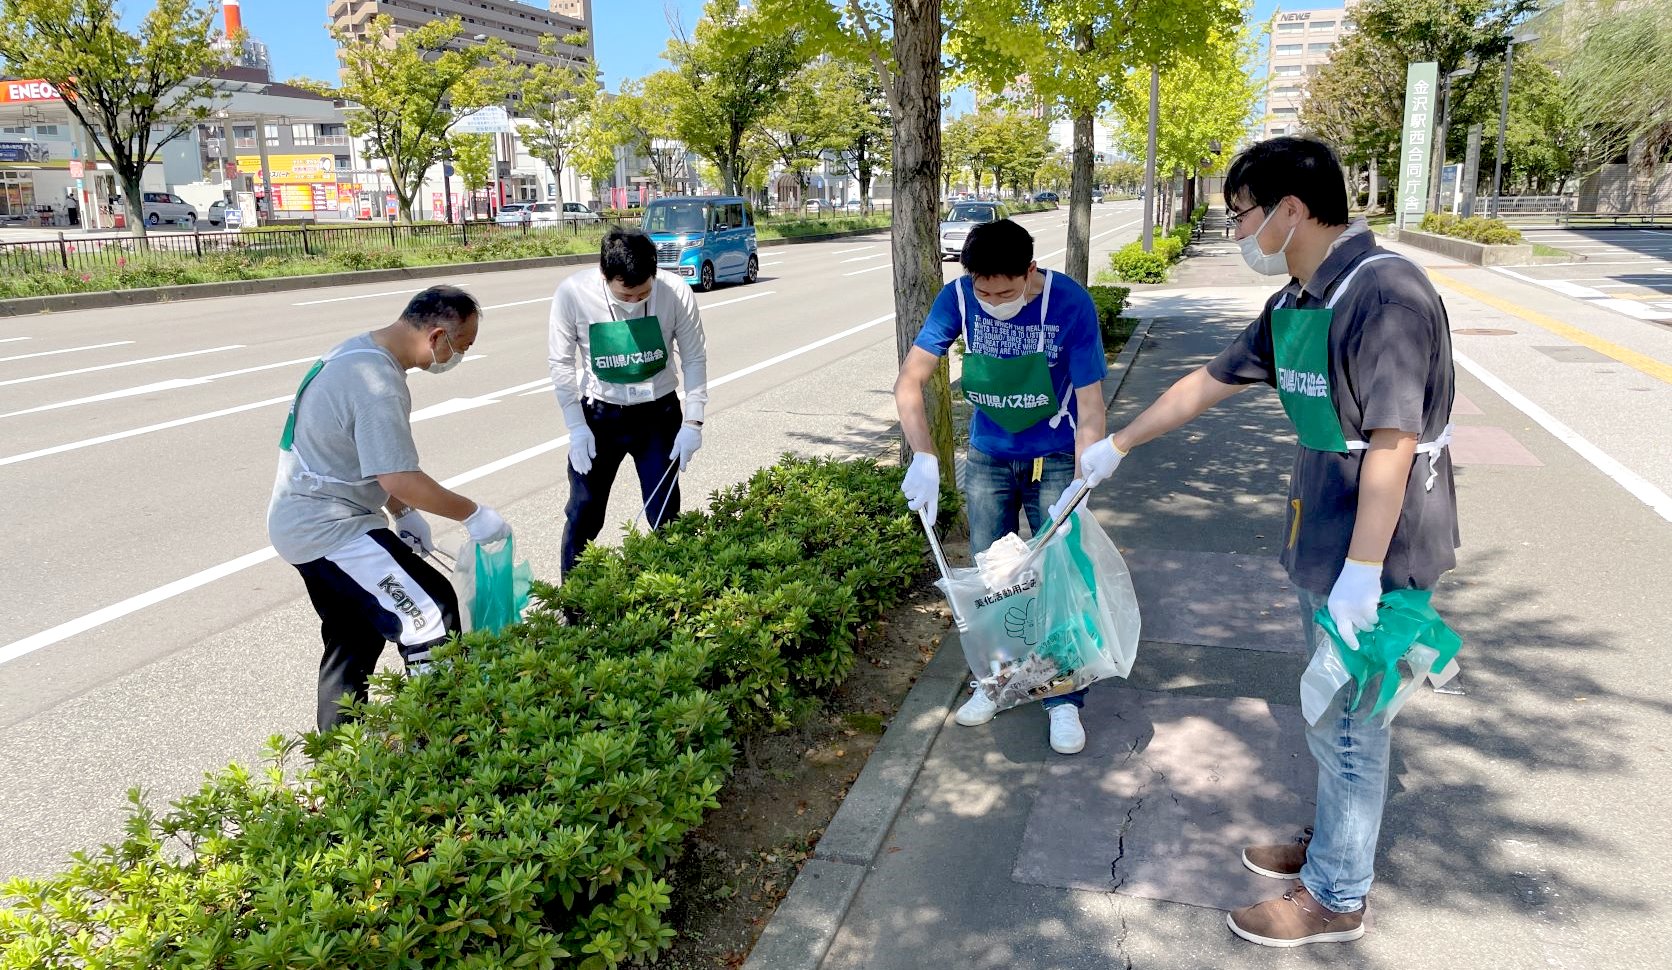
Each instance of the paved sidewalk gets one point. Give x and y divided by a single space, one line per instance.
1528 818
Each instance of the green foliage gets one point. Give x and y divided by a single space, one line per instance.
518 806
556 101
1492 232
473 159
406 85
1110 301
1614 75
133 92
1206 99
1133 265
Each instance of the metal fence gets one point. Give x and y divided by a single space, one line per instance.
73 253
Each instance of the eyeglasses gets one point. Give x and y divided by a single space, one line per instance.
1237 216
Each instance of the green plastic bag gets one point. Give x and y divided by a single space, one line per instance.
1408 632
493 586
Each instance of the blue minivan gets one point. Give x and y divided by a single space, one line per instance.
705 239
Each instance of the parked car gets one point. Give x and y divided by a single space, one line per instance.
1050 197
853 205
511 214
818 207
578 212
161 207
1096 196
961 219
705 239
216 215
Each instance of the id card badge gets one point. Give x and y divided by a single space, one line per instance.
640 393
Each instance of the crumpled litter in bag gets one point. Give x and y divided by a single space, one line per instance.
493 587
1409 633
1053 620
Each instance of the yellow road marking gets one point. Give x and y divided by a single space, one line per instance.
1625 355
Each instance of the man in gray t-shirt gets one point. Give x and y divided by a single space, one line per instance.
346 457
1358 349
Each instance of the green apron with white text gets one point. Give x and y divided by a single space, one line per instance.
1015 392
628 351
1300 349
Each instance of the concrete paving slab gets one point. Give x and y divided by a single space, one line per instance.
1162 808
802 928
1216 599
1483 445
1462 407
1574 355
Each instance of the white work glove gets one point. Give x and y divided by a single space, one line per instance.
1100 461
486 527
414 531
583 447
1353 599
922 485
685 444
1061 503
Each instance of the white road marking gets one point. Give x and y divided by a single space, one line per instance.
1595 297
362 296
8 340
739 299
133 604
65 350
869 269
125 363
501 306
861 259
156 387
856 249
1059 252
1640 488
136 432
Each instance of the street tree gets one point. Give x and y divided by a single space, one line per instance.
472 157
593 156
1356 103
807 120
556 97
1617 75
1547 142
901 40
1074 55
867 140
132 92
727 77
1054 172
1455 34
638 119
408 88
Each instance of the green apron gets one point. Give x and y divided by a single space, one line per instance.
1015 392
1300 349
628 351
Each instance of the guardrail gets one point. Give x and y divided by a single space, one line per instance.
87 254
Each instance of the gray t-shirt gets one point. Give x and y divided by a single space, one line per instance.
353 423
1390 367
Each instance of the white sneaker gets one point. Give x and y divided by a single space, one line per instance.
979 709
1067 736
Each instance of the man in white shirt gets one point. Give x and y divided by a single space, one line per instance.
613 337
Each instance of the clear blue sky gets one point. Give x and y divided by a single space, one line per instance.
630 35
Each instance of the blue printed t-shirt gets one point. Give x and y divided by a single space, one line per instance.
1073 347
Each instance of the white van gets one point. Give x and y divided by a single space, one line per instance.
161 207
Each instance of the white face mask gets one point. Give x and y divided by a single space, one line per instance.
1006 311
443 366
625 308
1258 260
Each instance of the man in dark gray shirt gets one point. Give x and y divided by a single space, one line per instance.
1359 350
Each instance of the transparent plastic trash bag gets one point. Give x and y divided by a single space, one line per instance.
1409 646
1065 615
493 587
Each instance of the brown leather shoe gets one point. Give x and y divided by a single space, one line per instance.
1278 861
1294 919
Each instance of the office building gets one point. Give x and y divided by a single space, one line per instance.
1300 44
519 25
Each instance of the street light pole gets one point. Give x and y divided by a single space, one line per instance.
1503 122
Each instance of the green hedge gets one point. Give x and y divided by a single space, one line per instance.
1110 301
1131 264
1492 232
518 807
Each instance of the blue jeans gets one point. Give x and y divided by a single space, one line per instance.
1352 750
996 495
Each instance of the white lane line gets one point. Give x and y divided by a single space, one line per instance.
501 306
363 296
861 259
135 432
66 350
1093 239
736 299
156 387
125 363
1640 488
10 340
869 269
133 604
1595 297
856 249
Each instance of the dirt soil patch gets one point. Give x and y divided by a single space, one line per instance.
739 865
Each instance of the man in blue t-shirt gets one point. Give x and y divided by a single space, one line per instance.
1033 367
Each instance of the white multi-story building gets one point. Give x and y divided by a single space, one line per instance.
1301 43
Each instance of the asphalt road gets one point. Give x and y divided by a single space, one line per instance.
1628 271
148 634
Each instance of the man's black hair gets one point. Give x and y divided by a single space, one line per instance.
440 306
1270 171
1001 248
627 255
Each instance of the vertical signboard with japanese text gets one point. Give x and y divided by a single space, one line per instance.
1421 89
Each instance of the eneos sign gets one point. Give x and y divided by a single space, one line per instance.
24 92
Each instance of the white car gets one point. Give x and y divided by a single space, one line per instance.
578 212
161 207
1096 196
510 214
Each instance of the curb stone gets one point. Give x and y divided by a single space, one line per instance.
105 299
800 932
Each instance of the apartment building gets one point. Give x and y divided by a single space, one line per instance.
520 25
1300 44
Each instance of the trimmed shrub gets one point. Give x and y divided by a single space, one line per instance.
516 806
1133 265
1114 328
1492 232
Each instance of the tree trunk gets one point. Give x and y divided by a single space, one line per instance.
133 199
557 180
1373 202
916 235
1079 199
1149 159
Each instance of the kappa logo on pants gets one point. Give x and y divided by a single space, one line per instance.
402 601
